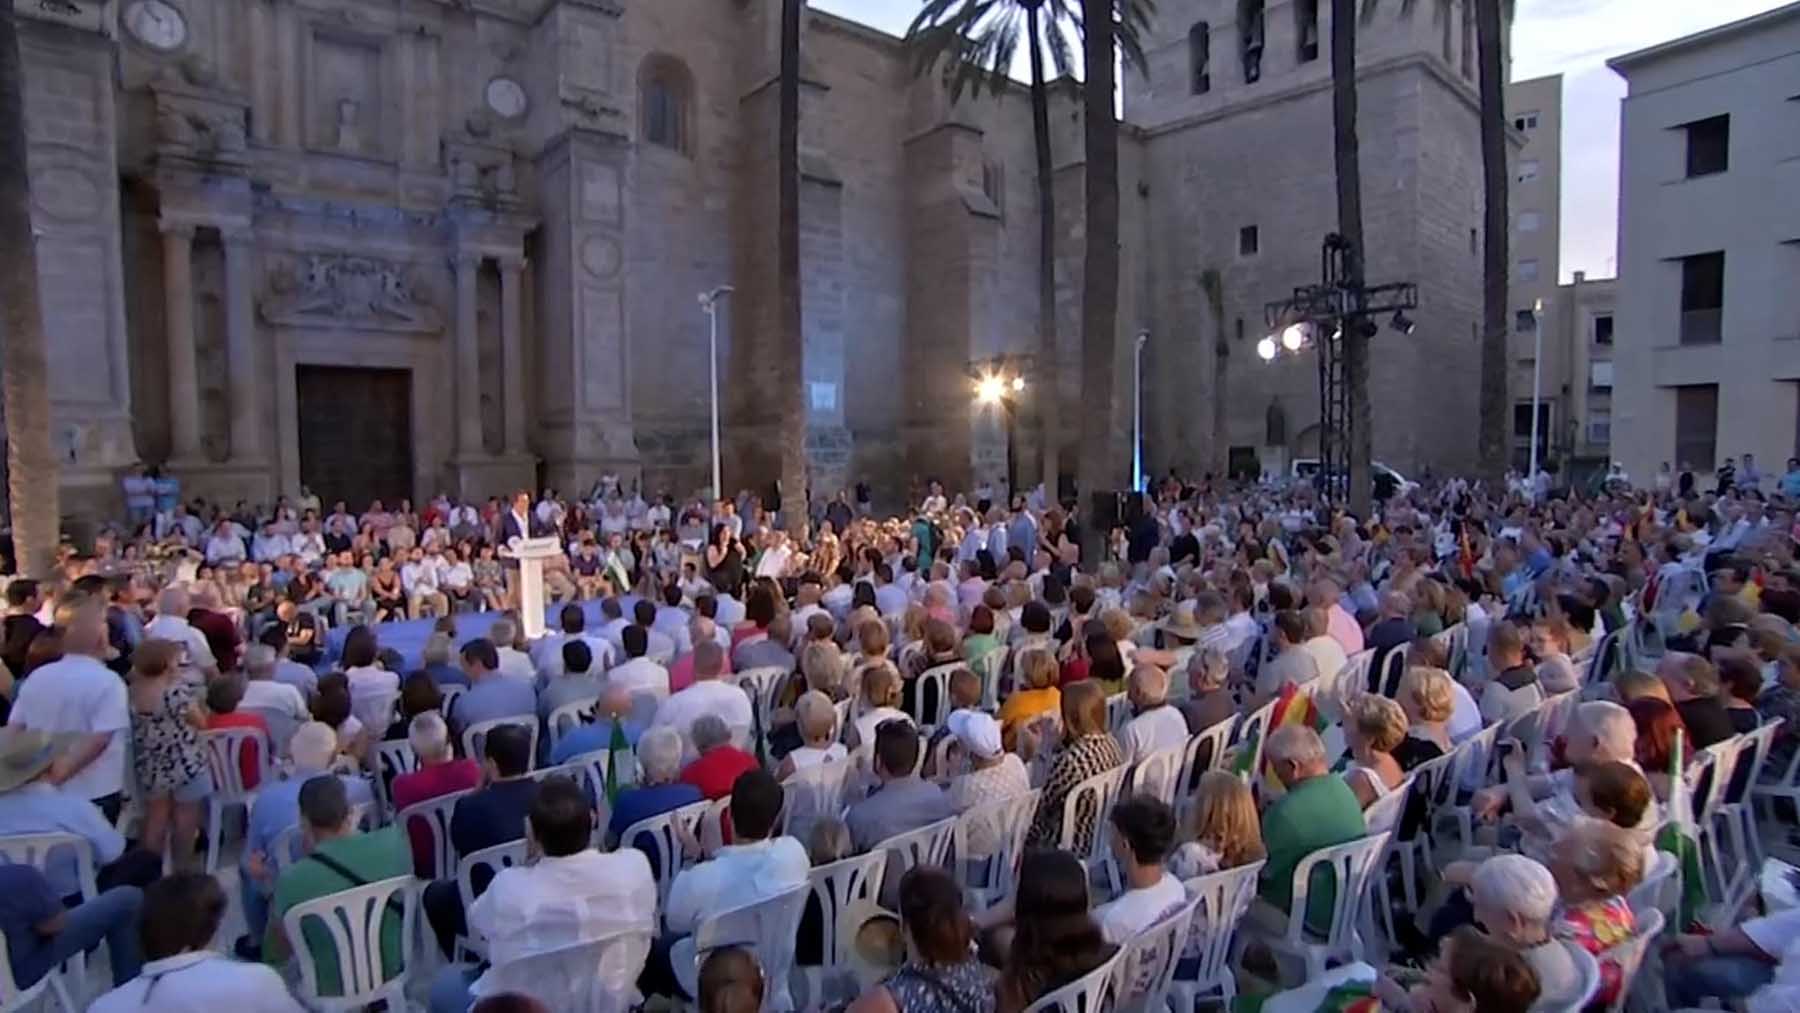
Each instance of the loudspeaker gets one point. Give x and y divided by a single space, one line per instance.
1103 511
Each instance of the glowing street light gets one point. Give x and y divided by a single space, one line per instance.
1266 350
1018 384
990 389
1293 337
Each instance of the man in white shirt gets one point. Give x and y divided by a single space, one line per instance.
269 544
670 616
1327 652
309 544
776 556
890 598
279 704
224 547
975 539
181 916
572 896
661 646
514 663
639 676
1240 625
1157 725
756 867
1143 833
171 624
419 578
707 695
934 502
77 695
613 621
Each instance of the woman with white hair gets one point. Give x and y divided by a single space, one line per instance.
816 718
440 773
1428 699
1514 898
718 762
1209 700
659 788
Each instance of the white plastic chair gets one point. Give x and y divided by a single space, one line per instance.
989 668
1433 786
1659 890
1095 796
567 718
998 831
1209 748
1252 733
1473 755
1393 669
711 831
1589 986
928 845
354 921
1159 775
284 847
475 736
391 760
434 815
1725 857
12 997
224 751
1145 967
668 859
1353 678
1629 955
848 893
766 927
375 710
597 976
1383 815
932 684
1118 711
1736 814
449 693
761 685
1352 865
500 856
1553 716
810 794
36 850
1220 901
1089 993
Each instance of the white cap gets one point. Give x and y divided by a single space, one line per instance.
978 732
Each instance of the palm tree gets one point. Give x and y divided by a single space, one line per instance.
981 38
789 334
1355 348
1488 30
31 471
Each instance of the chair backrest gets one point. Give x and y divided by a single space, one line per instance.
767 927
282 726
1754 758
941 759
1118 711
848 892
12 997
1204 752
761 685
1383 814
1085 807
1474 755
811 793
1660 889
1089 993
284 847
1725 757
1252 733
668 859
475 736
1352 866
354 921
1159 774
225 749
988 841
1220 902
1393 669
1145 965
1353 678
391 760
1588 984
433 815
1433 790
488 861
931 695
449 693
374 710
590 770
593 976
1553 720
1604 659
711 831
928 845
567 718
35 850
1629 955
989 667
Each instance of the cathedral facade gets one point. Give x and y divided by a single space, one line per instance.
382 249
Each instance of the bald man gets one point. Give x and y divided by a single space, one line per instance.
171 623
1155 725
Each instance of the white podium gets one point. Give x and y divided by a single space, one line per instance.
531 553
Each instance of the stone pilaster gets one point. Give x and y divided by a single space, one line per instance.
468 363
178 325
512 339
249 381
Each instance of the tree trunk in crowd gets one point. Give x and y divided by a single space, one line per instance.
1049 375
31 470
1488 31
1101 439
790 336
1355 348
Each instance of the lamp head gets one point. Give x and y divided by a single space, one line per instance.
1265 349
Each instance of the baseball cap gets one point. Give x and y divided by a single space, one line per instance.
979 733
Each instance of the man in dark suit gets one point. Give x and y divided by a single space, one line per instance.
518 522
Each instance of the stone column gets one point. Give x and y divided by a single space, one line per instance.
247 445
512 339
468 358
184 384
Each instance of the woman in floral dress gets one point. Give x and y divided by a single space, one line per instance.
166 720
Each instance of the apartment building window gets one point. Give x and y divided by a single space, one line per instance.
1600 375
1525 121
1306 29
1524 321
1603 329
1249 241
1250 38
1528 170
1599 427
1696 426
1708 146
1530 221
1200 58
1528 270
1702 298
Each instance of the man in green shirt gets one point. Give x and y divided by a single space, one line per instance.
338 859
1318 811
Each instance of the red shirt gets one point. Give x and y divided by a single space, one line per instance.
681 673
220 633
715 772
250 759
428 782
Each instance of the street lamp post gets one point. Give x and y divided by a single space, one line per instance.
709 303
1137 412
994 387
1537 370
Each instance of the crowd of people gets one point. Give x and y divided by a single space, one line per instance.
1579 661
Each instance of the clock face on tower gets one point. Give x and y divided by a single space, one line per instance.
157 24
506 97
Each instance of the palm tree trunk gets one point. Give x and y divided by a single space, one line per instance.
1100 437
1049 376
31 470
1355 347
790 337
1494 246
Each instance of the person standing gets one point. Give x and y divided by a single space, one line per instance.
79 696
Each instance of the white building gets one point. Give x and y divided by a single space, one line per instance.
1708 339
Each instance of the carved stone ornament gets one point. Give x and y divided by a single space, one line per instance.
482 173
331 290
199 124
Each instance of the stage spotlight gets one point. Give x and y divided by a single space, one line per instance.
1266 349
1402 322
1294 337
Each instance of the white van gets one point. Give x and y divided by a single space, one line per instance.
1387 480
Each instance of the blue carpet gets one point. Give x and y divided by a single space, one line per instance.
409 636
